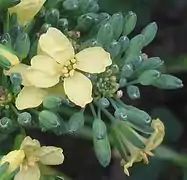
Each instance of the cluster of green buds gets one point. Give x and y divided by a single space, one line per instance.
107 120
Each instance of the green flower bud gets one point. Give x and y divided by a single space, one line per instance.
124 42
149 64
117 23
63 24
71 4
102 150
127 70
52 102
22 45
52 16
85 22
114 68
16 79
99 129
122 82
76 121
25 119
148 77
6 40
114 48
166 81
105 34
6 124
93 7
103 103
137 116
133 92
45 27
149 33
48 120
130 23
121 114
135 46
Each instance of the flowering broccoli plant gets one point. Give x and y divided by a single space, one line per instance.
67 67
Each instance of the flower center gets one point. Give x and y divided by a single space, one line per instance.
69 68
32 161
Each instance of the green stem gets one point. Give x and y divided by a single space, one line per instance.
99 113
121 103
93 110
113 103
15 110
109 115
132 82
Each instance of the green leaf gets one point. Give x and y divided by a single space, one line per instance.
166 81
133 92
105 34
5 4
148 77
130 23
102 150
149 33
22 45
76 121
117 23
99 129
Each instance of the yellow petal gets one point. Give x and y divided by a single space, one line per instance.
29 173
22 69
57 90
78 89
15 158
45 64
30 97
26 10
93 60
42 79
11 57
50 155
56 45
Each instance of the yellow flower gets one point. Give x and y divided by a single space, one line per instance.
136 154
28 158
8 55
26 10
14 158
31 96
56 63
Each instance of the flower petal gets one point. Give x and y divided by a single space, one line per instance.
45 64
11 57
50 155
15 158
26 10
56 45
78 89
93 60
22 69
42 79
30 173
57 90
30 97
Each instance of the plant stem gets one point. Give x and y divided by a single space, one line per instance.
93 110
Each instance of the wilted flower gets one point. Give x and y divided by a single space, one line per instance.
26 10
28 158
134 153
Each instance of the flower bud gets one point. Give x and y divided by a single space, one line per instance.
24 119
99 129
48 120
6 124
52 102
